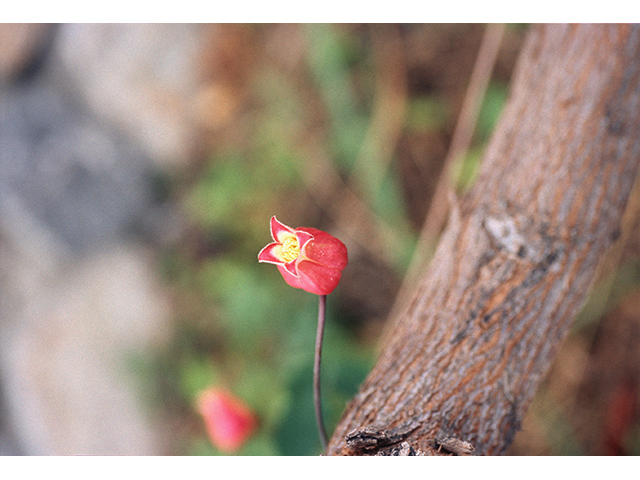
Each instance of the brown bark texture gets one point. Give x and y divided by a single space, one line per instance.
520 251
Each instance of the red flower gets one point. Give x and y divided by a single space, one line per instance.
307 258
228 421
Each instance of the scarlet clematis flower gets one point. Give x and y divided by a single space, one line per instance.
228 421
307 258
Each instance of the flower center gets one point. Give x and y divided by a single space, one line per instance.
290 249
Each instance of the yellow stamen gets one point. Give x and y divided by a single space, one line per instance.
290 249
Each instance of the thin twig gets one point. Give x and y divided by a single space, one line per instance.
316 371
462 135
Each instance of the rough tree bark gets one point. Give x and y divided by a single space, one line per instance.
519 254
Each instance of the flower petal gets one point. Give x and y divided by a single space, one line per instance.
304 237
272 253
325 249
279 231
312 277
292 280
292 268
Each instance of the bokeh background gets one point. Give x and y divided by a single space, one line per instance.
139 168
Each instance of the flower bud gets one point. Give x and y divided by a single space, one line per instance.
307 258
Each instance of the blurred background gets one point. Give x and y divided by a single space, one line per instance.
139 168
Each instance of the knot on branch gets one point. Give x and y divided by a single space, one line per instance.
524 236
505 234
454 446
369 440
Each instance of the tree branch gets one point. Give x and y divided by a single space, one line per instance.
520 252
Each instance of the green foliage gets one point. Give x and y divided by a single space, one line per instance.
333 62
427 113
241 326
492 105
261 331
465 170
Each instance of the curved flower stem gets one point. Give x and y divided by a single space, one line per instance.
322 306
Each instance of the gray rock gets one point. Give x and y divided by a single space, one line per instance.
81 136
